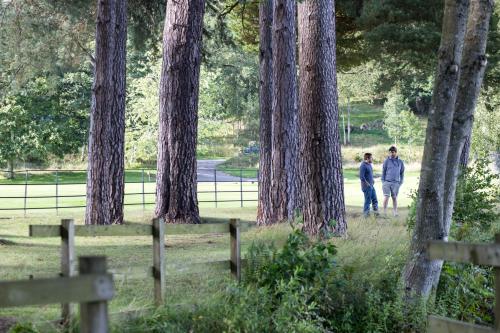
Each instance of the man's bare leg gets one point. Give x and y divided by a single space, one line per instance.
395 205
386 201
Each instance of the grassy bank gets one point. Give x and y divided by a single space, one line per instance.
367 245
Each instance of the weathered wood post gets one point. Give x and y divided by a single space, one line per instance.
497 290
94 315
67 263
159 260
234 232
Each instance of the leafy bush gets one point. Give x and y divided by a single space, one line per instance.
476 201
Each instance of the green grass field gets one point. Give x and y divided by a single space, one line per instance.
41 197
369 242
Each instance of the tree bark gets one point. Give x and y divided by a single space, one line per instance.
179 86
117 125
420 273
321 179
98 208
471 78
464 157
264 211
284 117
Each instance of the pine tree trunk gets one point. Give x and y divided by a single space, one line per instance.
176 182
321 176
284 117
420 273
264 211
471 78
117 125
98 208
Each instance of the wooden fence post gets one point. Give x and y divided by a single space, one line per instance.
93 315
497 291
234 232
67 263
159 260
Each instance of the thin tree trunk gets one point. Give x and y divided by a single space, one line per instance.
264 211
176 183
284 116
11 169
348 120
117 125
321 176
98 208
420 273
471 78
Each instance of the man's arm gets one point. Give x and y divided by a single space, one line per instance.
384 170
402 173
362 172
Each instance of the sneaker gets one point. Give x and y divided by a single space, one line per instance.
376 213
395 213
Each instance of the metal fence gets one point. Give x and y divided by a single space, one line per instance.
62 189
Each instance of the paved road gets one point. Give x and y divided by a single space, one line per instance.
206 172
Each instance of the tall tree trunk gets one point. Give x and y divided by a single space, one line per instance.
420 273
98 208
321 176
176 182
284 117
471 78
264 211
117 125
11 169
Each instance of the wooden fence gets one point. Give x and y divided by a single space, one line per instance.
478 254
67 231
92 288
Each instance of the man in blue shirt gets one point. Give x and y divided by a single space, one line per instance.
393 172
366 177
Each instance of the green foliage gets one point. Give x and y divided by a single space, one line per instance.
402 124
23 328
476 202
45 118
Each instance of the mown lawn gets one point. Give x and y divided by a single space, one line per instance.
367 246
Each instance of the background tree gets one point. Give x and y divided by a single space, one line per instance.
105 152
176 194
322 183
264 211
284 115
421 274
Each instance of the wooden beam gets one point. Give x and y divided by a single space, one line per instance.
234 231
159 260
88 288
67 264
445 325
479 254
94 315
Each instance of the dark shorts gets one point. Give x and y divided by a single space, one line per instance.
390 189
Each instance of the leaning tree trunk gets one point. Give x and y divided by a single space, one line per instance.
320 159
98 208
284 117
264 211
117 125
176 183
420 273
471 78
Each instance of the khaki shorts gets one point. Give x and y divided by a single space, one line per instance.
390 189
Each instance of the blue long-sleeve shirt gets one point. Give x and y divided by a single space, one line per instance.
393 170
366 174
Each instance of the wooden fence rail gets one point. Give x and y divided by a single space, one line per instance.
93 288
478 254
67 231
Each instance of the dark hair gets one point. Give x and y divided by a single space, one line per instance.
367 156
393 148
